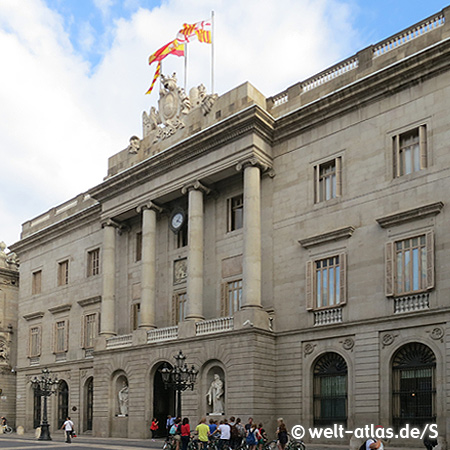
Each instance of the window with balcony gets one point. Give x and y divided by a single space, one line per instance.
34 341
179 307
60 336
231 297
89 330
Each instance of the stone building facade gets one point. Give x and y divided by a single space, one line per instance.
296 246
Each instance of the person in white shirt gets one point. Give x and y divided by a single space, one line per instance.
225 433
68 428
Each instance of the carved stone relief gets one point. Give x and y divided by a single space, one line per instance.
437 334
388 339
308 349
348 343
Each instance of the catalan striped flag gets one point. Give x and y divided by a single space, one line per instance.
157 74
200 30
172 48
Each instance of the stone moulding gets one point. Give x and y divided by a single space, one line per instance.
60 308
335 235
34 315
90 301
421 212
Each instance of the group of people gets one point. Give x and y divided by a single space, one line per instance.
229 433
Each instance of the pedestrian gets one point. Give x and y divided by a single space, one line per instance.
282 435
203 433
252 434
262 436
241 431
68 428
234 433
185 433
169 422
154 427
225 434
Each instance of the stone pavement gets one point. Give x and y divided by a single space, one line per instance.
29 442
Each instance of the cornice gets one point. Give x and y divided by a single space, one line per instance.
253 119
65 225
432 209
34 315
60 308
90 301
335 235
372 87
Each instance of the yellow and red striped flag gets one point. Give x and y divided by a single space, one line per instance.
157 74
200 30
172 48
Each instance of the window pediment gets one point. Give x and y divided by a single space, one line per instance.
409 215
335 235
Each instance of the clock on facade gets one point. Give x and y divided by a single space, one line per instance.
177 220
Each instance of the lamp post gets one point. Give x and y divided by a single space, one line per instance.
45 386
180 377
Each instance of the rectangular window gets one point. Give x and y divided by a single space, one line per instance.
410 265
138 250
234 297
410 151
136 315
179 307
63 273
36 282
326 282
182 237
35 341
235 213
327 177
90 330
93 262
60 344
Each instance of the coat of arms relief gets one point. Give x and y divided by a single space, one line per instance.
174 105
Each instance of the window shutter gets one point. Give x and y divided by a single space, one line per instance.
83 331
423 146
338 177
174 309
389 269
55 337
30 340
316 184
224 300
309 286
430 259
39 340
66 344
396 156
343 278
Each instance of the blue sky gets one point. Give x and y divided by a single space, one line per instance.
75 72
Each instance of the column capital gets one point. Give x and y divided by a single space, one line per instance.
197 186
150 205
253 161
111 223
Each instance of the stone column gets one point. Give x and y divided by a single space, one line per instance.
108 268
148 264
195 251
251 261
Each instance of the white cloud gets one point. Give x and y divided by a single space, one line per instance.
59 123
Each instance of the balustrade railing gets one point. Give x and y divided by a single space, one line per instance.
214 326
162 334
124 340
327 316
411 303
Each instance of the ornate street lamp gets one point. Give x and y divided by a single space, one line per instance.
180 377
45 386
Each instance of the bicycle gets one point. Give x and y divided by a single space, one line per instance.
169 444
270 445
294 444
7 429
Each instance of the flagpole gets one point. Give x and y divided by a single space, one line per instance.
185 64
212 52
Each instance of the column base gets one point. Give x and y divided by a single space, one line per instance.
251 317
139 337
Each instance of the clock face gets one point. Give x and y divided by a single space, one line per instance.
177 221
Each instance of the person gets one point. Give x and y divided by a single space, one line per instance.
185 433
373 443
175 432
169 422
241 430
282 435
262 436
225 433
203 433
252 434
68 428
4 421
429 442
214 395
234 433
154 427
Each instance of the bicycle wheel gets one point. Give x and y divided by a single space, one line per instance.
8 429
272 445
167 446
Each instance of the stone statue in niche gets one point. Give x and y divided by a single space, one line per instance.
123 400
215 395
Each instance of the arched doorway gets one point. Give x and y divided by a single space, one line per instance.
163 400
63 402
89 404
36 409
413 385
330 390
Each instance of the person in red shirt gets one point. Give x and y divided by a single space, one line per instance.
185 433
154 427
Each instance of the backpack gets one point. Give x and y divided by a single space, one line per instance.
251 439
241 430
234 432
173 429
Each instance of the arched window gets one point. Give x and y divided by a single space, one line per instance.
89 404
330 390
413 385
63 402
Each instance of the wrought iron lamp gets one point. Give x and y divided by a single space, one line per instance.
45 386
180 377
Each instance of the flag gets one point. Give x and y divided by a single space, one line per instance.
172 48
157 74
200 30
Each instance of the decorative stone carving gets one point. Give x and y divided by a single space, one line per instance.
180 270
134 146
348 344
437 333
174 104
388 339
123 399
308 349
4 354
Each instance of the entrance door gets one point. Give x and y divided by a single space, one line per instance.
37 409
63 402
163 401
89 411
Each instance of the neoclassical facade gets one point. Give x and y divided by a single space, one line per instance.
294 248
